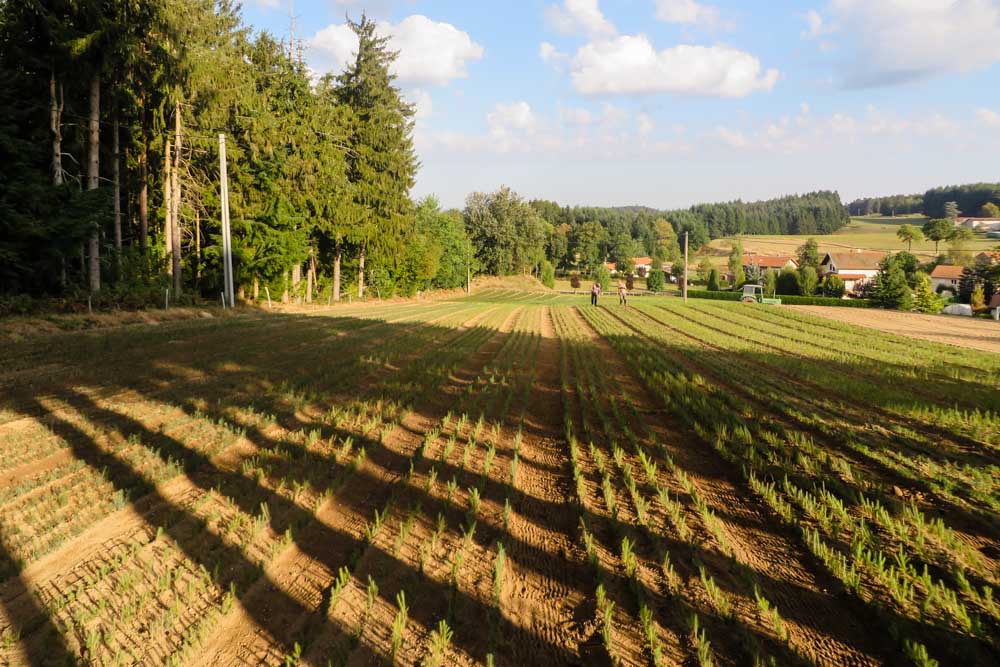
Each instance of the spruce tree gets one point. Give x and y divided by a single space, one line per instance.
924 298
381 164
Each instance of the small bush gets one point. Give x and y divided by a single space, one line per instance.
574 281
548 274
630 282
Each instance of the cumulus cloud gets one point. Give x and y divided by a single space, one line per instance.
815 25
576 116
630 64
645 123
266 4
579 16
430 52
550 54
686 11
422 103
988 117
897 41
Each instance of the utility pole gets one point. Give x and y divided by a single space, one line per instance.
227 240
684 287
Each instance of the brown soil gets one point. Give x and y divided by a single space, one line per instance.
974 333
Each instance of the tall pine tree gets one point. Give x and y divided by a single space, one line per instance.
381 163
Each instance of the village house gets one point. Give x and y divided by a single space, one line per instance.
643 265
989 257
979 224
763 262
853 267
946 277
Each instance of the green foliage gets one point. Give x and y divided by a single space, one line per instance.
808 280
508 234
548 274
924 298
989 210
833 286
602 276
808 255
703 270
770 283
938 230
713 280
788 282
891 289
909 234
655 281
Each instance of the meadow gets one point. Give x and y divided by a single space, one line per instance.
507 478
874 233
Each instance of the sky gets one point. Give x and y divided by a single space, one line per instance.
668 103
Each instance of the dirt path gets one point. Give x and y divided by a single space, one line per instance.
949 329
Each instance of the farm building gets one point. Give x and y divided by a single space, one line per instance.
990 257
979 224
777 262
946 277
854 267
642 266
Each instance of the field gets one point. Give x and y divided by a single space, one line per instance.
509 478
864 233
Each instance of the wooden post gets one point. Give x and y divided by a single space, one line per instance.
684 287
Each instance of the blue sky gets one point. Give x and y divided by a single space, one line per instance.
672 102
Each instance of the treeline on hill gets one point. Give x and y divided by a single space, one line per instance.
584 237
110 115
973 200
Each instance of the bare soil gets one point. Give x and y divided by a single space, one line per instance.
974 333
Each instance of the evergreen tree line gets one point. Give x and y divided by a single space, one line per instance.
110 113
581 238
973 200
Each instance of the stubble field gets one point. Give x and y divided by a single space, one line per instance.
505 479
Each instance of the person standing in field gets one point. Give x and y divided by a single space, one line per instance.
595 292
622 294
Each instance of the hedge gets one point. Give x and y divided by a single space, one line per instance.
785 299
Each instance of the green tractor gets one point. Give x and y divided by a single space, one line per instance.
755 294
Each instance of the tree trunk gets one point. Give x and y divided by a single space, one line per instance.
296 281
144 194
361 274
310 277
168 208
256 289
338 251
93 175
55 124
176 185
284 292
116 188
197 249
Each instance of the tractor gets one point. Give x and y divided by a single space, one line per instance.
755 294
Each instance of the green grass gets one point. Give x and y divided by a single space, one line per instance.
864 233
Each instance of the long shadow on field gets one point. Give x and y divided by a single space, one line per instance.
29 617
266 357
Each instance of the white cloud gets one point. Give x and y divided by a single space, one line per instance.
646 123
579 16
815 25
550 54
422 103
514 116
267 4
686 11
576 116
988 117
430 52
730 137
630 64
896 41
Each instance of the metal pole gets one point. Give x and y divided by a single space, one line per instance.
227 240
684 287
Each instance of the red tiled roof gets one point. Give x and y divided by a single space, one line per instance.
763 262
947 272
867 261
642 260
851 276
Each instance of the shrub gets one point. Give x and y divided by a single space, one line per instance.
833 286
770 282
548 274
630 282
713 280
574 281
655 281
603 278
924 299
787 282
808 281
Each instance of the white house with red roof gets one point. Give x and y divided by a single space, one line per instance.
979 224
765 262
945 276
643 265
854 267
